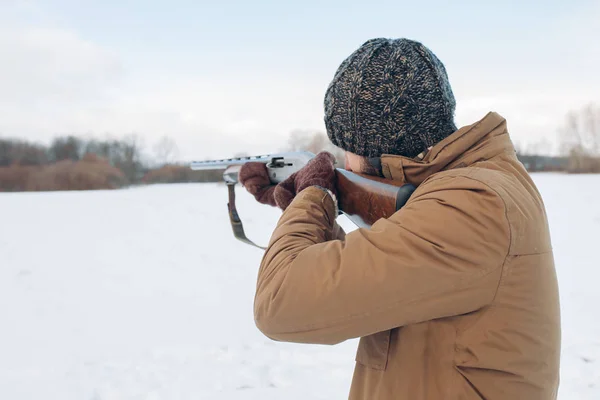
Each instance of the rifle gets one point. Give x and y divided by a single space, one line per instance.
362 198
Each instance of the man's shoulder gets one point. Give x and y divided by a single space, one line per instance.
468 178
508 184
474 191
523 206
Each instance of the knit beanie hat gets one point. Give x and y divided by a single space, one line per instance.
391 96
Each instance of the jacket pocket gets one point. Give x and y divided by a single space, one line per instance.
373 350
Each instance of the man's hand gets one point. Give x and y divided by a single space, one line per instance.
255 178
320 171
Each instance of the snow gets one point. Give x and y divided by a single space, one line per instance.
144 294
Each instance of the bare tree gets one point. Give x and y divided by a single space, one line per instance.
592 127
314 142
165 150
14 151
130 157
298 140
581 139
6 146
66 148
100 148
536 156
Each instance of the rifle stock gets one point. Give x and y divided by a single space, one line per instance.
366 199
363 199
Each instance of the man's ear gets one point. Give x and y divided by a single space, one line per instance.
424 153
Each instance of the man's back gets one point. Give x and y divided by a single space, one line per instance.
512 349
455 296
509 348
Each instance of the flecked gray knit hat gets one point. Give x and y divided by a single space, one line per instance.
391 96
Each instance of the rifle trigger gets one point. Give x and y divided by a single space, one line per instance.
278 162
234 218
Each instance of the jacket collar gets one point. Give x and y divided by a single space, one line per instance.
480 141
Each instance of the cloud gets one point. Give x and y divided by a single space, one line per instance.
41 61
544 77
53 80
532 116
53 64
48 75
211 117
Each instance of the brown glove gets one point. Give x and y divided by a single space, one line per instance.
320 171
255 178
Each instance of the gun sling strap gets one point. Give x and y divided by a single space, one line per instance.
234 218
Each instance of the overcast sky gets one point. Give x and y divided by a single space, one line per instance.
230 76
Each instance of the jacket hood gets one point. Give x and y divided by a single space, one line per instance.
480 141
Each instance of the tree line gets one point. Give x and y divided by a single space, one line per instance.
75 163
578 145
123 154
72 162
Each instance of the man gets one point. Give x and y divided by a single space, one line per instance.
455 295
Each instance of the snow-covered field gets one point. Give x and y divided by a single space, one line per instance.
144 294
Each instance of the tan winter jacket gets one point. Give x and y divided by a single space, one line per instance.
454 296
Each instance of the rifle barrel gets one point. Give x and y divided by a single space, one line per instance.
228 162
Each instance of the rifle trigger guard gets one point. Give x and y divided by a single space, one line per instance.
234 218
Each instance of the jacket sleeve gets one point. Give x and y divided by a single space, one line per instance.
440 255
